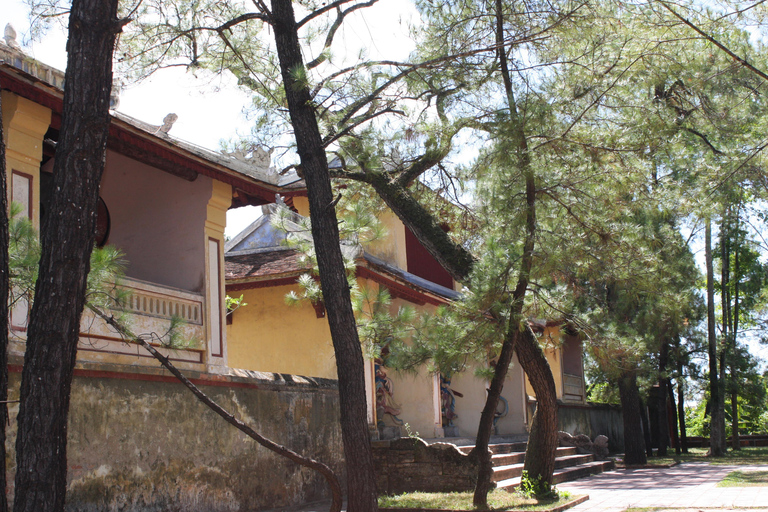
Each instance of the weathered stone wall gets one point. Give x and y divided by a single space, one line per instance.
410 464
593 420
140 441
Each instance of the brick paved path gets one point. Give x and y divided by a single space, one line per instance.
689 485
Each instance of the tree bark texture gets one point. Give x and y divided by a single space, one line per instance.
673 408
67 240
735 439
3 314
484 430
646 424
361 480
681 408
454 258
662 426
717 427
543 439
634 442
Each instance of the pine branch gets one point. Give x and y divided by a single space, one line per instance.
321 468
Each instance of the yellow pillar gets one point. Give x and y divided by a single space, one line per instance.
221 199
24 126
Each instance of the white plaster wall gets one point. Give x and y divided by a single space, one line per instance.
158 221
414 394
470 406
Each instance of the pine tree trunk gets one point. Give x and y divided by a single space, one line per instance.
717 427
675 434
646 424
3 315
361 480
634 443
480 452
543 439
681 408
67 239
662 427
735 440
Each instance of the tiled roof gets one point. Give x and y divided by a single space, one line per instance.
263 264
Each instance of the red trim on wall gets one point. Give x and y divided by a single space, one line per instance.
249 285
398 290
421 263
221 298
140 146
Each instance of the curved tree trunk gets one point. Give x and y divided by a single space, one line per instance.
634 443
361 480
480 452
323 469
67 239
543 439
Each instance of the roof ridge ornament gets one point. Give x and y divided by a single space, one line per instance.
10 37
257 156
167 124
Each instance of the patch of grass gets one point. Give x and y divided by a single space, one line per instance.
745 479
497 500
746 456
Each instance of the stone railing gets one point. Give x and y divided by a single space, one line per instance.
151 300
149 311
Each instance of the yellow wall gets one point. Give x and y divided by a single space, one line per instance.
551 341
391 248
24 126
268 335
302 205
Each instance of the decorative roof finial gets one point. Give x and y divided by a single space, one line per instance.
10 37
167 123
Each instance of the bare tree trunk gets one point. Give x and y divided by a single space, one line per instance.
717 427
634 443
361 480
3 317
735 439
543 439
662 427
480 452
681 408
67 240
675 434
646 424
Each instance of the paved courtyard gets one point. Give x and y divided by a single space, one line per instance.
685 486
689 487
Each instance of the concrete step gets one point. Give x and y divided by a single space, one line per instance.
505 459
507 471
515 449
565 474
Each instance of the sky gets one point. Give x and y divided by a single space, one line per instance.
210 108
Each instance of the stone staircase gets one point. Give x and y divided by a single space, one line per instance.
508 461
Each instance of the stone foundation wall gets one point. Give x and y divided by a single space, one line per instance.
409 464
140 441
593 420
